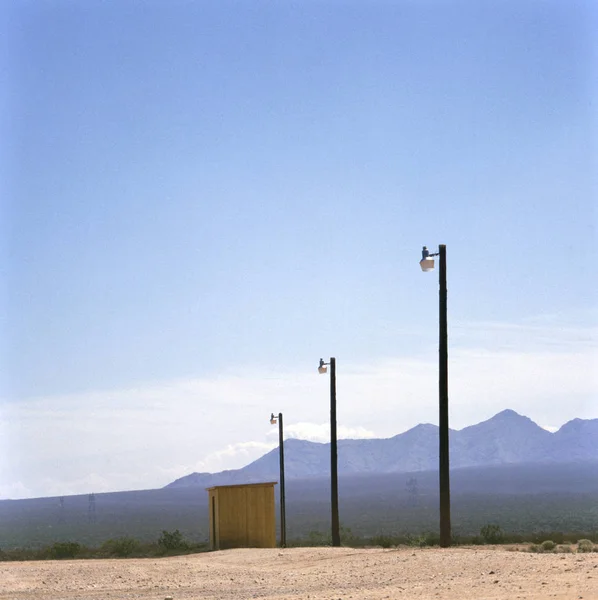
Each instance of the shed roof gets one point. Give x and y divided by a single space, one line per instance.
238 485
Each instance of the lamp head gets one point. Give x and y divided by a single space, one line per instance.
273 419
322 368
427 264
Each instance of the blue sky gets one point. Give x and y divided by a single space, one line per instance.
218 193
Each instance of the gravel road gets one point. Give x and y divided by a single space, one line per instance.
311 573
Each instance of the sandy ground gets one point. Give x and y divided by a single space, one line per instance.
311 573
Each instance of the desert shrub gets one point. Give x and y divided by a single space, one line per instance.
120 547
172 541
585 546
492 534
410 540
318 538
564 549
22 554
548 545
558 537
428 539
348 538
60 550
534 548
384 541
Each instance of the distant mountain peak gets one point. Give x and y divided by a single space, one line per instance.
509 413
421 429
577 425
506 423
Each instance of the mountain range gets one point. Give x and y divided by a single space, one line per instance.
506 439
506 470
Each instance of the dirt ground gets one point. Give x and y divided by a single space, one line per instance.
311 573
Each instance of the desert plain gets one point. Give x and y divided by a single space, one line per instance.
311 573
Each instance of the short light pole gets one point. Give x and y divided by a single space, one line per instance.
427 264
336 535
283 516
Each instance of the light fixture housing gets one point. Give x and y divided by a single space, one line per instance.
427 264
322 368
273 420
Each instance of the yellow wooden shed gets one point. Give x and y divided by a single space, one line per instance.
242 516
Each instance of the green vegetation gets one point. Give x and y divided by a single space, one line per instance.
548 546
384 541
492 534
583 545
430 539
173 541
586 546
61 550
123 547
169 544
377 506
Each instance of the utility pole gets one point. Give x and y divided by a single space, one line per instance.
283 516
444 462
336 536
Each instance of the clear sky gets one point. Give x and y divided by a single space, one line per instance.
201 199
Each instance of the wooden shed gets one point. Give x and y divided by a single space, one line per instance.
242 516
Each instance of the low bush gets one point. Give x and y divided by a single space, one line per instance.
429 539
384 541
318 538
22 554
348 538
172 541
122 547
492 534
585 546
61 550
548 546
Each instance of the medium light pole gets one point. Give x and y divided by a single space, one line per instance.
283 516
336 535
427 264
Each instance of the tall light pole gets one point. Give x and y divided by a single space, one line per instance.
336 535
283 516
427 264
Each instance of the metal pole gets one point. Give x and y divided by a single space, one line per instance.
336 536
444 468
283 518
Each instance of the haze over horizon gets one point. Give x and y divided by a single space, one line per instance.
201 200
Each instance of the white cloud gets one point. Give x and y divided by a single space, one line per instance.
320 432
234 456
15 489
146 436
550 428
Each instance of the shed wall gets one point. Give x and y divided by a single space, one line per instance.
261 519
242 516
233 517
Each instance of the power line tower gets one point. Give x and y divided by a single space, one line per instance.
61 513
412 491
91 508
